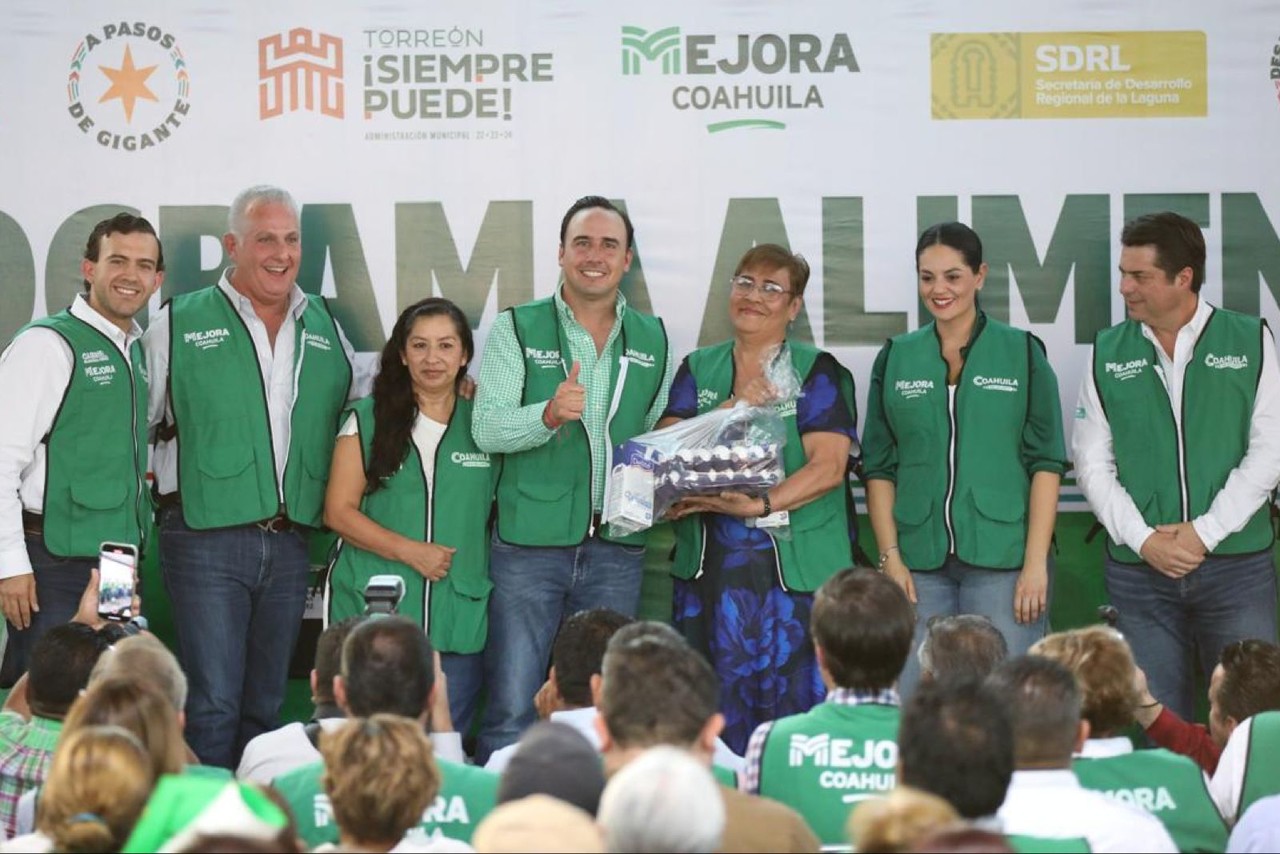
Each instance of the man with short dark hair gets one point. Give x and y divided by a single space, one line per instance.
822 761
1246 718
1177 448
73 442
961 647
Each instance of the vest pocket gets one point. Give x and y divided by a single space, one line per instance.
98 505
1000 533
546 506
227 479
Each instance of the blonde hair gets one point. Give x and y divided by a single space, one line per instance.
97 786
899 820
138 707
145 657
380 775
1102 663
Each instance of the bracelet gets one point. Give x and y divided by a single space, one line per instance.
1149 705
884 556
768 505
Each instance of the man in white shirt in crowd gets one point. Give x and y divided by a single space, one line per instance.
1177 448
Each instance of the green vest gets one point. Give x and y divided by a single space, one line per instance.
96 450
1171 476
1169 786
226 468
1262 761
1047 844
453 610
544 494
467 795
970 500
823 762
819 545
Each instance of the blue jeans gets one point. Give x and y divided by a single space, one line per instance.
60 582
959 588
534 589
1167 621
465 677
237 595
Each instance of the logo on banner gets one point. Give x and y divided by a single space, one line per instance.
128 86
300 70
1095 75
1275 68
750 66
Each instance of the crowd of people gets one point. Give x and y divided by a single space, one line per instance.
787 688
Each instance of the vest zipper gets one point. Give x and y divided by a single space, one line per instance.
608 424
429 490
133 437
952 472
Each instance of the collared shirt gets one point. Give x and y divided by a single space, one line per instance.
1053 804
34 372
26 750
276 368
749 781
1105 748
1227 785
502 425
1259 827
1248 486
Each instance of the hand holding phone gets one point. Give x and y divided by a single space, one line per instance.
117 577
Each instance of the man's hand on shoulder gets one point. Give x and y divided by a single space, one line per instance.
18 599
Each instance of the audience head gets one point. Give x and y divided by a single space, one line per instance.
961 646
578 653
387 667
380 775
136 706
98 783
554 759
328 661
664 800
1044 703
1102 664
862 624
146 658
956 741
898 821
61 661
1245 682
963 839
538 824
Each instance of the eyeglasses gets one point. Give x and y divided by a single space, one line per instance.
745 286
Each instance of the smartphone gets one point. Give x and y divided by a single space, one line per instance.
117 571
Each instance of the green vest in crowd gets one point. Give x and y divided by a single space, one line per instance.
1168 785
825 761
467 795
819 545
96 450
544 494
226 468
1171 476
1047 844
962 485
454 609
1261 761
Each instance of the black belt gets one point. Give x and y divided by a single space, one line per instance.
277 524
32 523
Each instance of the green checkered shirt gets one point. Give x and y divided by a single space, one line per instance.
26 749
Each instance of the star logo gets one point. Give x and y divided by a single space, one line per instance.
128 83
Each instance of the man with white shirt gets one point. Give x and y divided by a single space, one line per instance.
1044 798
1177 448
73 443
248 377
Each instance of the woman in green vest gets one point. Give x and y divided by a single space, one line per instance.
963 453
742 595
410 495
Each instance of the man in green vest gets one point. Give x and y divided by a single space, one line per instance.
564 379
1177 449
73 442
845 750
248 377
1246 717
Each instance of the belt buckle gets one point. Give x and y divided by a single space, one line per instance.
275 524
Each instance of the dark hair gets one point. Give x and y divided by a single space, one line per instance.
121 223
394 404
387 667
956 741
1179 243
578 651
656 688
1250 679
771 256
961 646
61 662
328 663
964 840
596 202
863 623
1044 702
955 235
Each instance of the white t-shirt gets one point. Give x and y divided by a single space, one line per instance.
426 438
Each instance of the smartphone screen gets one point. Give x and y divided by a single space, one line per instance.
117 565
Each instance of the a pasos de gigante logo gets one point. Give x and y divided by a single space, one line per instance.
128 86
754 59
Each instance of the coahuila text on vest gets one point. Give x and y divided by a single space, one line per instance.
311 339
1126 370
1233 363
996 383
470 459
207 338
644 360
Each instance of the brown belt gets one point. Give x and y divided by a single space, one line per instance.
277 524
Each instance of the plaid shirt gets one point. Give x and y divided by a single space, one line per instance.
749 781
26 749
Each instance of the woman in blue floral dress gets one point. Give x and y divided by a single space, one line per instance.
743 589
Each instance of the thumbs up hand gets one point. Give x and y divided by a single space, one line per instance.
569 401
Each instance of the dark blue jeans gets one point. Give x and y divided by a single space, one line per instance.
60 583
533 590
465 677
1167 620
238 595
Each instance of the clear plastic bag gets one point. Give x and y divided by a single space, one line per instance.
729 449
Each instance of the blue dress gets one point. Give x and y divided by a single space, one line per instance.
754 633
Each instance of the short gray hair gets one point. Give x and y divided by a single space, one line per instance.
144 657
663 800
261 193
961 646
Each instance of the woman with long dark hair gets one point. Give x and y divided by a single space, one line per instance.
410 494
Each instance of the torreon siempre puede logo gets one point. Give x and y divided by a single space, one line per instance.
768 71
300 70
128 86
